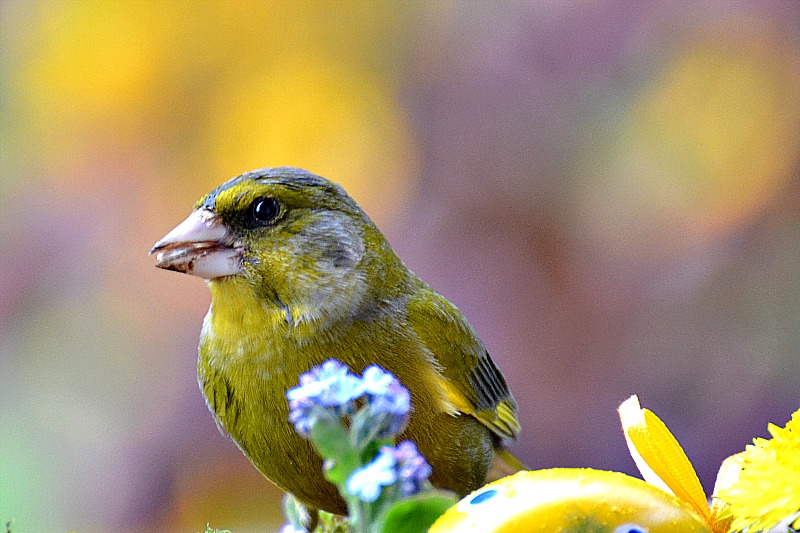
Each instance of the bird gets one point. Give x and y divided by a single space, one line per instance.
299 273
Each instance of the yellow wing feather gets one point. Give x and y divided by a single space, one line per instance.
472 382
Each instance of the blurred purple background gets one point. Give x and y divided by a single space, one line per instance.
610 192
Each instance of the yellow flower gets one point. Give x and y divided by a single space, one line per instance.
762 487
756 490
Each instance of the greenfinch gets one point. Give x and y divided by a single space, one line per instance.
299 274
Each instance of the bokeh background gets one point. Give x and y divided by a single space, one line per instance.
610 191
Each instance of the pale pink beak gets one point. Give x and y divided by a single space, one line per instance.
201 246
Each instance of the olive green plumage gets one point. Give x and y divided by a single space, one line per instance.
313 279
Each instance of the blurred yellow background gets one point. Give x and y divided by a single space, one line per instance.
610 191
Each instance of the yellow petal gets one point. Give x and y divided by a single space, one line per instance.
727 477
659 457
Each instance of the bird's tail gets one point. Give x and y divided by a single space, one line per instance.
504 463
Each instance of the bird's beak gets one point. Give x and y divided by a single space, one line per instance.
201 246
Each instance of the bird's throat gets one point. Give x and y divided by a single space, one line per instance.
238 315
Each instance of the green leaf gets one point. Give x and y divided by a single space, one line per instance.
416 514
330 523
365 426
330 437
371 449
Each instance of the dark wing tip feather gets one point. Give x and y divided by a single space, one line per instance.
495 407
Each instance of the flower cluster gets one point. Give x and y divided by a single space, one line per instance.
330 390
413 469
402 464
352 422
327 390
367 481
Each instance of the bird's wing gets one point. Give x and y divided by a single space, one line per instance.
472 381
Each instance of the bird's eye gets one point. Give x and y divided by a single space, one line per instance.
263 211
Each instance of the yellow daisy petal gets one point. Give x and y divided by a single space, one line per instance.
659 457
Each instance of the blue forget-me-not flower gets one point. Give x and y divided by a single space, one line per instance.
378 400
367 481
412 468
327 390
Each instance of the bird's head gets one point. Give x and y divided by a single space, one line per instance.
294 238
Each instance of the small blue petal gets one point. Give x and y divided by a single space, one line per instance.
413 469
375 380
366 482
630 528
330 385
483 496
